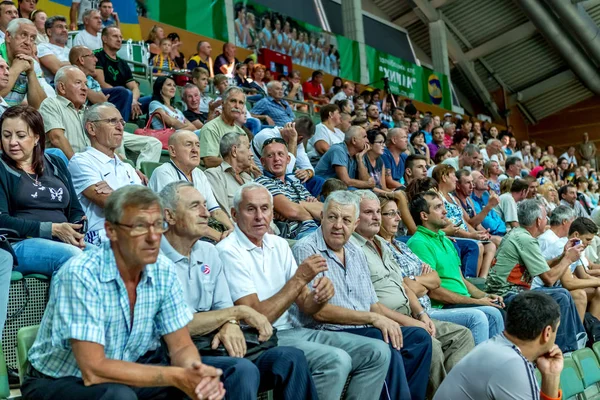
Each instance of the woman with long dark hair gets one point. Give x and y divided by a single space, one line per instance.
163 94
39 210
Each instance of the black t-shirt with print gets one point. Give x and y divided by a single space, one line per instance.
116 71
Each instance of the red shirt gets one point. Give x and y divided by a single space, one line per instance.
312 88
447 140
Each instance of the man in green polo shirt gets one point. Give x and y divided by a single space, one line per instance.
432 246
519 259
234 102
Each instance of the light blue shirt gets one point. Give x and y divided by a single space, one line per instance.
201 276
89 302
352 281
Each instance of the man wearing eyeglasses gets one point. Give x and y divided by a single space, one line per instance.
98 171
116 324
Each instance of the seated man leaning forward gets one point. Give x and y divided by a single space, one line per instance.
184 153
355 307
298 211
98 171
261 273
110 311
345 160
216 319
519 260
584 288
431 245
531 325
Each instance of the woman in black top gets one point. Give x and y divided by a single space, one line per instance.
39 210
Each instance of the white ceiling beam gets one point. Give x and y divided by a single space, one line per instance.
542 87
521 32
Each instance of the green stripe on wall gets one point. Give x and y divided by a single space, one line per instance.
173 12
207 20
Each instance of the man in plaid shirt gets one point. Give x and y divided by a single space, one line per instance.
108 311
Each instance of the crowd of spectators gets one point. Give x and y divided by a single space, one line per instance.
381 246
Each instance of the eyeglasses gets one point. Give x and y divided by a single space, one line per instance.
112 121
273 140
391 214
141 228
87 55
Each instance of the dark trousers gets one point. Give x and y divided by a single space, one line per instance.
281 369
571 333
408 374
314 186
37 386
468 250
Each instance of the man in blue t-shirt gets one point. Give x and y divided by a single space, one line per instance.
345 160
394 157
481 199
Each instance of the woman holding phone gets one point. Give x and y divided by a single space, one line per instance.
39 210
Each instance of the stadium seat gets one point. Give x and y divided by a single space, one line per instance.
570 381
588 365
164 156
4 388
25 339
130 127
148 168
596 348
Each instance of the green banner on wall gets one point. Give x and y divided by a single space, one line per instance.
257 27
206 20
408 79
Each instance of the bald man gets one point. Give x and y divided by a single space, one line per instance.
184 152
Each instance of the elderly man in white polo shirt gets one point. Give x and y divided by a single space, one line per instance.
98 171
200 271
262 274
184 151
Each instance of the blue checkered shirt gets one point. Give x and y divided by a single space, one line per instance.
89 302
280 112
352 283
409 264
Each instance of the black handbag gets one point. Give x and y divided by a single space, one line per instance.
254 348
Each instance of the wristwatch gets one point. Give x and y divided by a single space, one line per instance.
233 321
412 277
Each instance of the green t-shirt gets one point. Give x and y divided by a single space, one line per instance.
439 252
518 260
211 134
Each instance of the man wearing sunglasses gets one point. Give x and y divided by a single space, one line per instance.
98 171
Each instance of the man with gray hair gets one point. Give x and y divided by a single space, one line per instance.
227 178
492 151
200 270
449 131
54 54
261 273
273 109
355 307
116 323
234 102
466 160
394 157
98 171
345 160
63 114
427 126
519 260
89 36
26 79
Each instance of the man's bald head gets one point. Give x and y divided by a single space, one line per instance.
180 136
